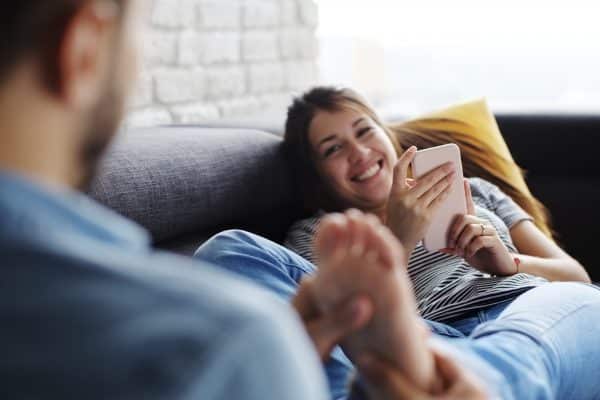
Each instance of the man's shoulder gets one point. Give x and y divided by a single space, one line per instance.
122 321
129 281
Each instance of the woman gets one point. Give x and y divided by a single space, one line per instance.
526 353
346 158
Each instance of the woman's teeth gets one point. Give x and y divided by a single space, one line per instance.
369 173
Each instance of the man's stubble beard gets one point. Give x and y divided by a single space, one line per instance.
103 122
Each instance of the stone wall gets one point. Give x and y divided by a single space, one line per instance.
207 60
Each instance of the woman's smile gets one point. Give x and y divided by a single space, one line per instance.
369 173
354 156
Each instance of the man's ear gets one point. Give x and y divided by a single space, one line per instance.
86 53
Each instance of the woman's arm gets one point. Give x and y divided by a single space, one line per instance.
540 256
478 242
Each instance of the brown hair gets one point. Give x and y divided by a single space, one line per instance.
36 28
478 157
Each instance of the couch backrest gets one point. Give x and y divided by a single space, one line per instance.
185 183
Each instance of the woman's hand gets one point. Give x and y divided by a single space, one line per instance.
412 203
328 329
385 382
478 243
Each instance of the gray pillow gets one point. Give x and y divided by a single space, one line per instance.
176 180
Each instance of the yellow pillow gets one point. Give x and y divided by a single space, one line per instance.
473 127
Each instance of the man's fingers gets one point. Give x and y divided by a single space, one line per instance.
385 382
446 366
324 343
352 315
304 301
329 330
460 383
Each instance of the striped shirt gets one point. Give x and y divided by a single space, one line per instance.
447 287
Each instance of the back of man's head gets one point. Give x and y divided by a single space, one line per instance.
36 28
70 62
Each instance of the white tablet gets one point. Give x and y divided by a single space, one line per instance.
455 204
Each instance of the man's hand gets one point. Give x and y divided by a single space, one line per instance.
385 382
328 330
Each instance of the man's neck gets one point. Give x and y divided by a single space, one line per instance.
34 135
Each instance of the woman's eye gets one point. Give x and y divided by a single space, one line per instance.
331 150
363 131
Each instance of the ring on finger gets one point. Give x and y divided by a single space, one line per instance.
482 229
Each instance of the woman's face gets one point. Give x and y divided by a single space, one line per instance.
354 156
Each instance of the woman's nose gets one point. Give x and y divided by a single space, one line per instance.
359 152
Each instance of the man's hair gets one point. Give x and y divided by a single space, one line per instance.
35 28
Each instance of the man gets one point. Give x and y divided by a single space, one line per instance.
88 310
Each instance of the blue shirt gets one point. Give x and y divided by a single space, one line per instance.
88 310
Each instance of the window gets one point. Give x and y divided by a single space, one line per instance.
522 55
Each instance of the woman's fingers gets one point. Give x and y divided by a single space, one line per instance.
477 244
470 232
458 227
438 192
401 168
427 181
469 197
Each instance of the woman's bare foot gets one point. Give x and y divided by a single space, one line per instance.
358 255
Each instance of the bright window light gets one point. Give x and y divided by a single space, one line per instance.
522 55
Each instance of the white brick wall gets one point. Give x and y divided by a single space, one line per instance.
211 59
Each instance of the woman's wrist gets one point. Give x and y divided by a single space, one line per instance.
517 262
408 249
407 243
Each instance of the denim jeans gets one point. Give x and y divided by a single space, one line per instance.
466 324
542 345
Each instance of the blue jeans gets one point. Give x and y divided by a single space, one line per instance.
542 345
466 324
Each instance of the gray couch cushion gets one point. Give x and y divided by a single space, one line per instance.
179 180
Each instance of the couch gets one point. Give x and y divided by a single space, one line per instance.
185 183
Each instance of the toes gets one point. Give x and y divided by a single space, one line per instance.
331 238
371 239
394 250
356 233
379 244
383 243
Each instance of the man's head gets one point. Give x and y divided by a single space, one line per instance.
65 69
